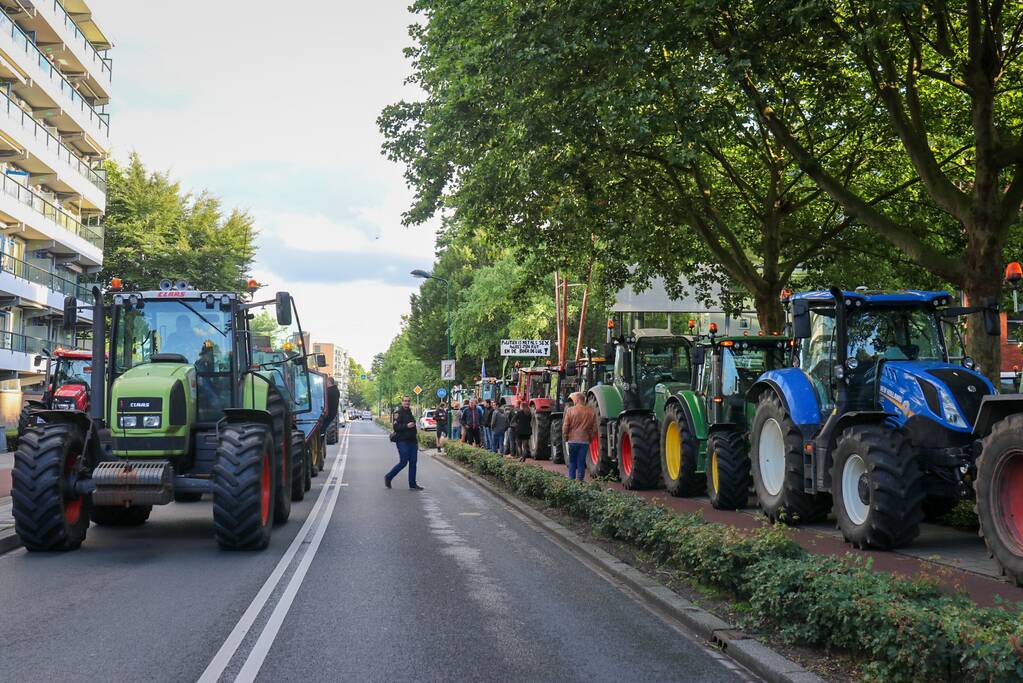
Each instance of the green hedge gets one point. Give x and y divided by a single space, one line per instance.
908 629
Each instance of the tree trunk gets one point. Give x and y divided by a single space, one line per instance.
982 285
770 313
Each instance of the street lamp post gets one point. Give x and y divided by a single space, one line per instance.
447 289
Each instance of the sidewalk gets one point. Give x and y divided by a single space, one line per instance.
956 559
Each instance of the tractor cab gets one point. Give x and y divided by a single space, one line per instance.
731 365
649 358
69 375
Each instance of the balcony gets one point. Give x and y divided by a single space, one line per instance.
98 65
44 277
27 55
91 234
49 149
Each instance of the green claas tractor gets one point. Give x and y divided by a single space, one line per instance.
182 408
650 366
704 431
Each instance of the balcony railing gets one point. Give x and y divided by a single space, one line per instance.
12 341
100 119
50 210
43 276
50 141
105 65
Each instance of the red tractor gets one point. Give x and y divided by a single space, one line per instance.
68 378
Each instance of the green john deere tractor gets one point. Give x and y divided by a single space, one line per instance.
182 408
650 366
704 430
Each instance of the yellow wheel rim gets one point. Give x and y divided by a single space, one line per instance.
673 450
714 470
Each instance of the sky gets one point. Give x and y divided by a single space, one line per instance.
273 109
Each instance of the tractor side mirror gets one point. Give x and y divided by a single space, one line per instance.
70 313
699 355
570 369
37 361
800 319
321 360
992 323
283 308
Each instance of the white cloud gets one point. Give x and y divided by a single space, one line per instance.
275 112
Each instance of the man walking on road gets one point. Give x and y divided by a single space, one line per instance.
403 422
578 428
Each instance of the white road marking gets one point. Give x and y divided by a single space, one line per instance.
273 625
227 651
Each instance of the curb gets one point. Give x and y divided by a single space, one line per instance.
9 541
751 653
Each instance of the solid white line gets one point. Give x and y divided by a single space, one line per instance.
227 651
262 647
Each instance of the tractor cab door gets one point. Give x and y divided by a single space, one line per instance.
278 350
817 356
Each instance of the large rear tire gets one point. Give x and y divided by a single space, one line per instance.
728 470
245 483
105 515
679 455
557 441
639 462
187 496
299 455
25 419
598 462
284 459
777 463
1000 495
539 447
877 488
48 516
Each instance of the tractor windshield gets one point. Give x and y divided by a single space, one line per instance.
895 333
202 336
73 371
743 363
661 360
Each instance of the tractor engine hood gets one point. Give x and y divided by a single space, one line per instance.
151 408
71 397
946 393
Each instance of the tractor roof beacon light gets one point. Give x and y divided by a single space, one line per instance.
116 284
692 324
1014 273
713 329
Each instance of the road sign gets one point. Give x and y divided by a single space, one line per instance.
362 377
526 347
447 370
418 390
442 392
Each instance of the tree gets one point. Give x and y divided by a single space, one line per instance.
547 125
943 78
361 392
154 231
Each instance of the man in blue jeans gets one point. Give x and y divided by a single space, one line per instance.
403 422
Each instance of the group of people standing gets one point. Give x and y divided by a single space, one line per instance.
488 426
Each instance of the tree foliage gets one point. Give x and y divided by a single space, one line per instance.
155 231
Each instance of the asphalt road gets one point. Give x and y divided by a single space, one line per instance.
363 584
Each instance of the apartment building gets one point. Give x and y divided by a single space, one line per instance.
337 365
55 86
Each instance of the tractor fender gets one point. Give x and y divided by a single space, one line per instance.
692 409
609 401
72 417
993 409
796 392
541 405
236 415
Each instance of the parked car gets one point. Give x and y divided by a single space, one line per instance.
426 422
367 415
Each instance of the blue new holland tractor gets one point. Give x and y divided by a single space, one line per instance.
872 420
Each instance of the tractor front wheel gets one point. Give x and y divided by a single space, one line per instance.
679 455
1000 495
639 462
48 514
539 448
728 470
245 483
557 441
598 461
777 461
877 488
135 515
299 455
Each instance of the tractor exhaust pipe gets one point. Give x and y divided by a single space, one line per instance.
98 403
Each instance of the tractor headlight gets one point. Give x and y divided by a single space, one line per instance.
151 421
951 412
128 421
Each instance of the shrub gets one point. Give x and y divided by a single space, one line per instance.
909 629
